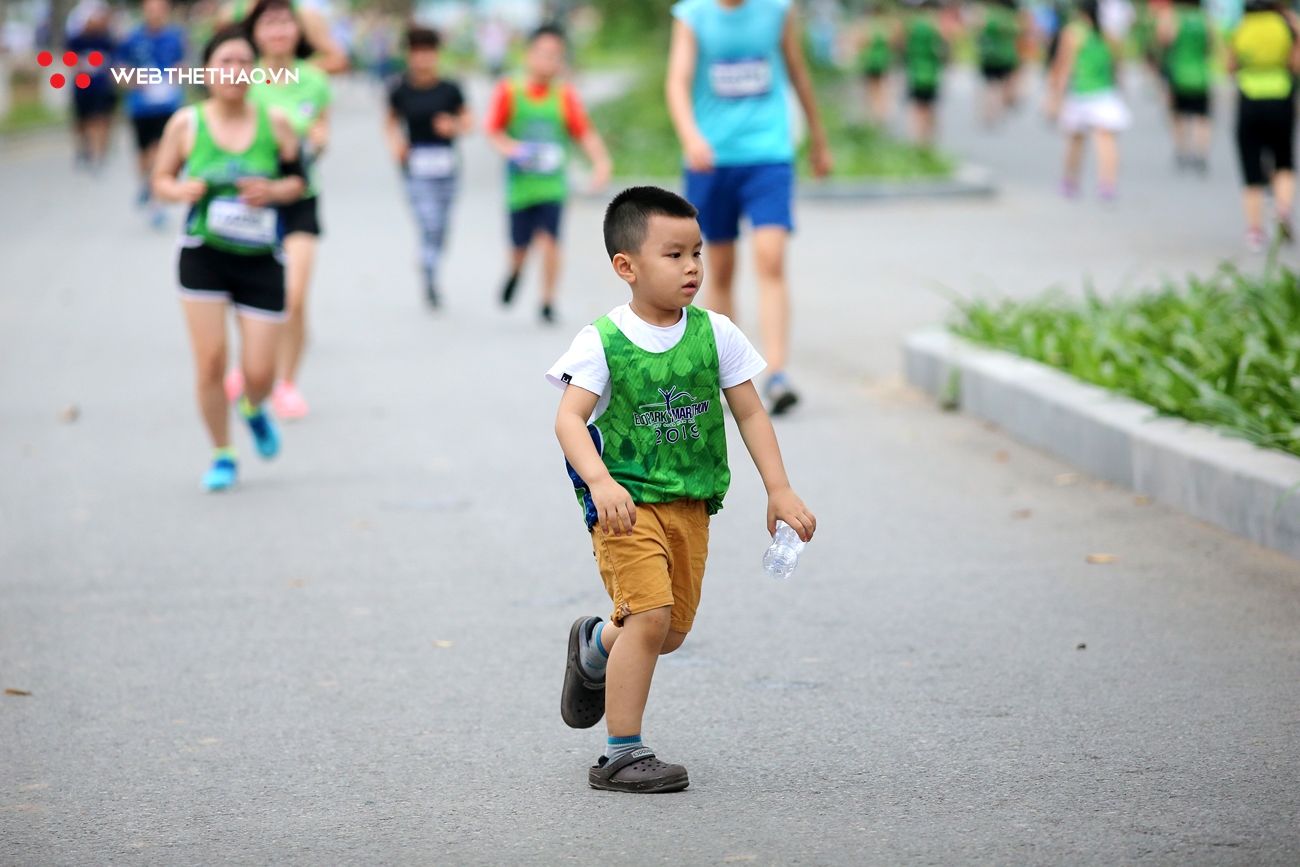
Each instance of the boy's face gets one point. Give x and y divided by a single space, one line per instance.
669 268
422 61
545 57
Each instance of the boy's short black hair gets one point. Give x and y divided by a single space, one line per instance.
423 37
627 219
548 29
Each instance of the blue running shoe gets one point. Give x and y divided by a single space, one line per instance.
265 434
222 475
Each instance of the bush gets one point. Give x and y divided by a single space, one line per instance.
1223 351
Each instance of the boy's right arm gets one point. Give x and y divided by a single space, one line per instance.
613 503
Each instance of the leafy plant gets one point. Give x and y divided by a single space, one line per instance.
1223 351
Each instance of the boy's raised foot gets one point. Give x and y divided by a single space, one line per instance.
548 314
638 772
582 702
780 395
508 290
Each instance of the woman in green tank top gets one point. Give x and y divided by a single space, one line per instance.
324 50
1186 37
1083 95
233 162
999 56
278 36
924 51
876 60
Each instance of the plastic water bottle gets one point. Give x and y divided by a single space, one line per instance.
783 556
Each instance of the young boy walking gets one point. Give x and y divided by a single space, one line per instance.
642 428
530 123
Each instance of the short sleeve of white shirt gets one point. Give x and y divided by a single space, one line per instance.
584 364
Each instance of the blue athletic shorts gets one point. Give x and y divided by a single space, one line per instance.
535 218
760 192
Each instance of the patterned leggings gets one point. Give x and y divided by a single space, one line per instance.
431 200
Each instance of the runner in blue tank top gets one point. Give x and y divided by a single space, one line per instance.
729 68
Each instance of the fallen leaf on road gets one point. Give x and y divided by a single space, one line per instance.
1101 486
1063 479
297 582
1141 500
1102 558
1002 457
1081 646
70 413
363 524
1022 513
439 642
16 692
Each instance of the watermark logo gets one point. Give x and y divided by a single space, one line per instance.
70 60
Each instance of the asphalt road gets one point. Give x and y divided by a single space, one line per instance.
355 657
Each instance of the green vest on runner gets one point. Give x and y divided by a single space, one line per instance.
538 175
1189 53
302 103
219 218
662 437
997 39
1094 65
923 50
878 56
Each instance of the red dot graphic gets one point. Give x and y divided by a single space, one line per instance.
45 58
70 58
83 80
95 58
57 79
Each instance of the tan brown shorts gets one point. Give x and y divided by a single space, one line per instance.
660 564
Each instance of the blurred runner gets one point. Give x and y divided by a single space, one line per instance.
1184 32
493 40
530 123
325 50
425 115
1264 55
239 160
155 44
924 52
279 38
1082 94
999 57
876 61
93 104
729 68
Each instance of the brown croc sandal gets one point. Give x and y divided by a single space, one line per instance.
638 771
582 702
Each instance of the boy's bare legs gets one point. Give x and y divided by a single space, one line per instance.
1073 164
1107 144
644 637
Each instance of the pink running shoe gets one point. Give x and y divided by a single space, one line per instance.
234 384
287 401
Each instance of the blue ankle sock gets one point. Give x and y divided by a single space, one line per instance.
616 748
592 655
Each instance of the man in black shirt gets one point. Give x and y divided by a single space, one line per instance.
425 114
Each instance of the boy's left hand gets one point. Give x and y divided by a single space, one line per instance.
785 505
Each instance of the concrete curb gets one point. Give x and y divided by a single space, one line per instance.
969 181
1229 482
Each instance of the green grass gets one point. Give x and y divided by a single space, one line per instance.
29 115
1223 351
641 140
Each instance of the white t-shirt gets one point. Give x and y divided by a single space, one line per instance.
584 364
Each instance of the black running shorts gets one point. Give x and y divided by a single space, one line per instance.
1265 125
1192 103
300 216
149 130
254 284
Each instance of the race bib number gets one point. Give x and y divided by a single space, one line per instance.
238 221
738 79
161 93
436 162
540 158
